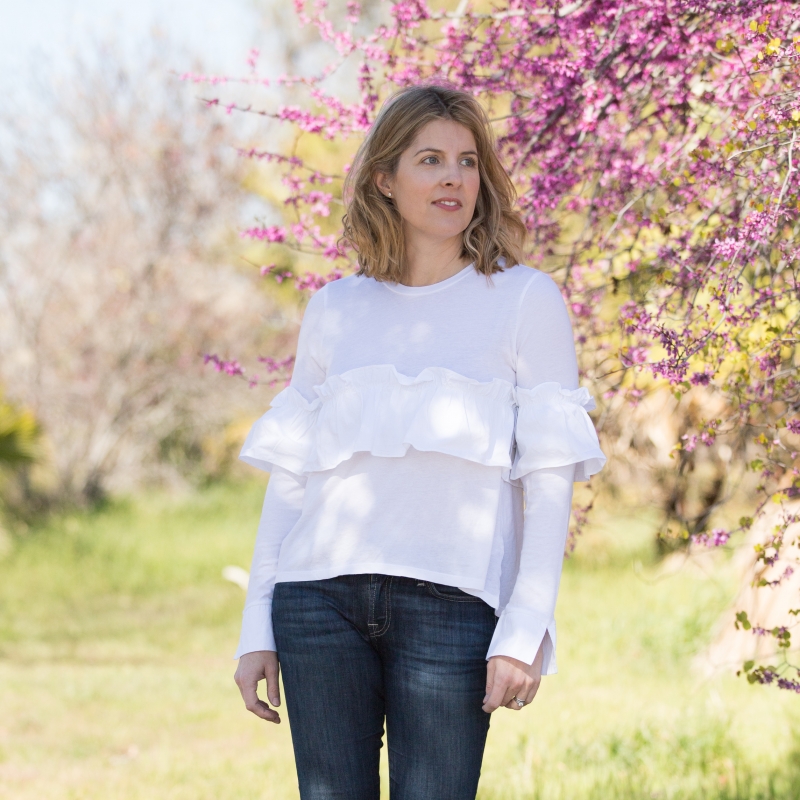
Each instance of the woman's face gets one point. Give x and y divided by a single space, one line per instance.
436 183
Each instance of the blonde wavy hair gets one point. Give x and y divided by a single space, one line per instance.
372 224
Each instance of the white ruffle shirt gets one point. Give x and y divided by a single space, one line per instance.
432 432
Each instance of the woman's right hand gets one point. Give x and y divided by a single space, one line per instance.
254 667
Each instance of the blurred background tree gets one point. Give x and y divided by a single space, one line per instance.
118 269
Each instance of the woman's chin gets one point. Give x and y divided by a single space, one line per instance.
444 232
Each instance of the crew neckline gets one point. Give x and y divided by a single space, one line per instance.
401 288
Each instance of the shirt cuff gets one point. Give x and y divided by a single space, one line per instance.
256 630
518 635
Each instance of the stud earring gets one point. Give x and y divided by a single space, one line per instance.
388 194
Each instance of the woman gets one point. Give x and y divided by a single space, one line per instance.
395 556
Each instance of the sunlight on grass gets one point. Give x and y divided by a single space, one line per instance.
117 630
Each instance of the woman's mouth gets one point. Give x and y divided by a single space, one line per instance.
448 204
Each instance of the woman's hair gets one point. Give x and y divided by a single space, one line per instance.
372 223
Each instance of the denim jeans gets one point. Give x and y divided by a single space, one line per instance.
357 649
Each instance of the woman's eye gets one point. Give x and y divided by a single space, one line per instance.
467 162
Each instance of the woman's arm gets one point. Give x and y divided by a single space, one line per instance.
283 505
523 646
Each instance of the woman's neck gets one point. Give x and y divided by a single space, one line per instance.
432 262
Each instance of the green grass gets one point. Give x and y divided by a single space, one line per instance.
116 636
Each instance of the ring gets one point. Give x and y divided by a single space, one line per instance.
519 702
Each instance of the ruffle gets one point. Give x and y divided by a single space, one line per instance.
378 410
554 429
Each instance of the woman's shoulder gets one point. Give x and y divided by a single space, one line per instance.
331 295
523 279
342 289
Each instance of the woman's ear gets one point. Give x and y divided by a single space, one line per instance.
382 182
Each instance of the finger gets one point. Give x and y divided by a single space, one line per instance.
490 674
498 696
516 691
531 693
526 693
256 706
273 685
263 711
512 703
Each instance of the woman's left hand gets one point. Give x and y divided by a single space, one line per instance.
507 678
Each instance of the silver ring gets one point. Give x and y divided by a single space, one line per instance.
519 702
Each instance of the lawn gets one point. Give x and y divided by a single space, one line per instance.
117 630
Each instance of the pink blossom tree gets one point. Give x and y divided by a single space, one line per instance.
654 147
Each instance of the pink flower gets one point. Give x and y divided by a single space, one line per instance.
273 233
716 538
221 365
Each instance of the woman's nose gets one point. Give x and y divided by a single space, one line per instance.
453 176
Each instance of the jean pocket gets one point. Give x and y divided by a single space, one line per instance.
444 592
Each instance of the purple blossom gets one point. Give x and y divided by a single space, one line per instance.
276 364
274 234
716 538
701 378
232 367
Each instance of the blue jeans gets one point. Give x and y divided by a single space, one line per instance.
357 649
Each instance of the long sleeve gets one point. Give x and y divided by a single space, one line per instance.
283 504
530 613
556 445
283 501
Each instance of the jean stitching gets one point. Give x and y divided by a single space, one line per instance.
433 590
371 614
388 609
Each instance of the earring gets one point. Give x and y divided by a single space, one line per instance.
388 194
